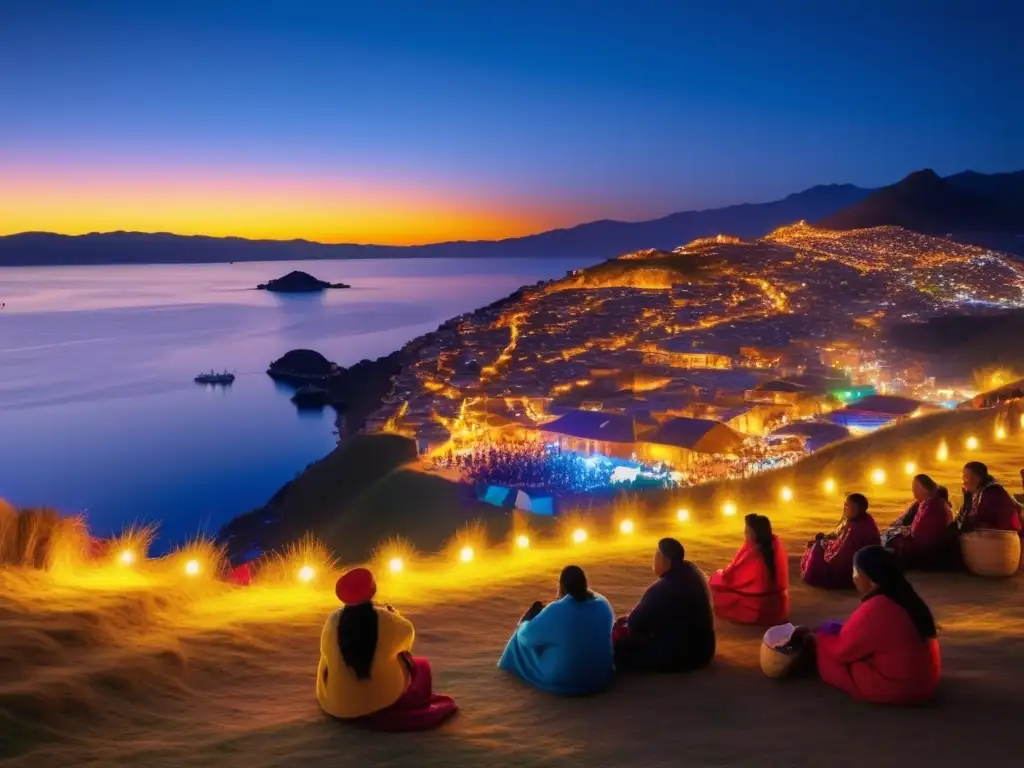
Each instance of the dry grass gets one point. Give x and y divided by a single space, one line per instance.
168 672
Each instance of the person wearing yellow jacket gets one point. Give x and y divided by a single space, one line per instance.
367 672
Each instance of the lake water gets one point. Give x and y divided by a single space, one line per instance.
98 410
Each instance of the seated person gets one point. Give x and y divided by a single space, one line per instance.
754 589
987 504
367 672
672 628
828 561
887 653
564 647
919 538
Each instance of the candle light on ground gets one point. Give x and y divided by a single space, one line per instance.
728 509
878 476
830 485
626 527
127 557
943 451
683 515
395 565
523 541
466 554
910 468
786 493
306 573
192 567
579 536
971 443
1000 432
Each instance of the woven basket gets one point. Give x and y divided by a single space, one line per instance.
776 663
991 553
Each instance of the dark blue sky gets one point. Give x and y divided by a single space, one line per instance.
485 117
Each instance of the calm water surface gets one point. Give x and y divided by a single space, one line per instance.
98 411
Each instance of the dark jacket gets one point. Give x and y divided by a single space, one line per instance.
675 617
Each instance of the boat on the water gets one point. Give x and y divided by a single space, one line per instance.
215 378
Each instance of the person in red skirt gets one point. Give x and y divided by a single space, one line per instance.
367 673
754 588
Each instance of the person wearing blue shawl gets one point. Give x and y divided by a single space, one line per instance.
566 646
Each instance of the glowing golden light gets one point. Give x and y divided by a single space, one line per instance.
943 451
626 527
127 557
1000 432
878 476
728 509
579 536
192 568
683 515
395 565
971 443
830 485
306 573
523 541
466 554
910 468
786 493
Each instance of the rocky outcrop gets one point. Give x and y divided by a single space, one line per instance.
303 366
298 282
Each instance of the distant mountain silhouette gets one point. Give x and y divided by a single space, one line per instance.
1004 188
925 202
597 240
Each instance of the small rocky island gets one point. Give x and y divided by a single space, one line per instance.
298 282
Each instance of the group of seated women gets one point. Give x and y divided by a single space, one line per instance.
926 536
887 652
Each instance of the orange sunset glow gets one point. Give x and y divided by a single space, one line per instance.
280 208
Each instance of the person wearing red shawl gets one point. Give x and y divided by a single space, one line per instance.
987 504
754 588
367 673
887 652
828 561
919 538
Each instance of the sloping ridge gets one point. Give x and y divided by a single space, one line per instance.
925 202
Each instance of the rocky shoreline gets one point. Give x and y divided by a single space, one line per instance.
356 393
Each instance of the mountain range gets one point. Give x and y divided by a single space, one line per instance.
987 209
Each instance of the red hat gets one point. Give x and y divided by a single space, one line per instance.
355 587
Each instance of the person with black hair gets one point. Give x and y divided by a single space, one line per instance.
367 672
564 647
754 588
828 560
672 628
887 652
919 538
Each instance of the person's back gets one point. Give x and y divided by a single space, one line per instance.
566 648
573 641
340 692
675 617
689 623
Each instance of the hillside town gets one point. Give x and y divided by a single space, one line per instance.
719 358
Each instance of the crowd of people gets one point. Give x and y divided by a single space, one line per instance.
533 465
886 652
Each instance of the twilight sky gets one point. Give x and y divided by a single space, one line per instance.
406 121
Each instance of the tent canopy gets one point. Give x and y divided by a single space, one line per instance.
699 435
594 425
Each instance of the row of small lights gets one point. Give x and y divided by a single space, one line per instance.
467 554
